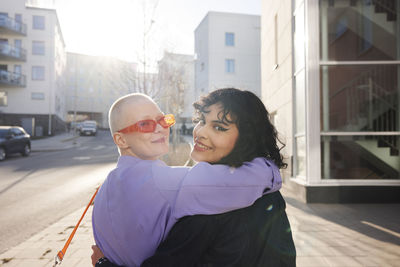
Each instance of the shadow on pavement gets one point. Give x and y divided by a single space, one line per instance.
378 221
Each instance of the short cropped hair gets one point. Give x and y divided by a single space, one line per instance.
116 112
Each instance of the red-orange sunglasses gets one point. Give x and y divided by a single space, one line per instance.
149 126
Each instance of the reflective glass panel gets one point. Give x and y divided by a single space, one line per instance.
362 98
299 35
359 30
300 102
301 156
360 157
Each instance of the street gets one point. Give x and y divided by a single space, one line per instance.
38 190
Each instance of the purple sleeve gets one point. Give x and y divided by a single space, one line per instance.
213 189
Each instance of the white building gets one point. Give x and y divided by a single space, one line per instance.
331 79
32 64
94 83
176 77
227 47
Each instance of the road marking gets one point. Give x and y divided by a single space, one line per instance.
83 148
99 147
81 158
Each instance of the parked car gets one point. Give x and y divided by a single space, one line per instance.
14 139
88 128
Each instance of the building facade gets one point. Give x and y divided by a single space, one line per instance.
32 66
227 48
176 78
94 83
331 72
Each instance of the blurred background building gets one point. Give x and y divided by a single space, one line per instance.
331 72
32 66
94 83
176 85
227 48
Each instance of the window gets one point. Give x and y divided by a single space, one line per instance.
3 18
229 65
3 99
276 41
37 96
229 39
38 73
17 131
37 48
38 22
202 66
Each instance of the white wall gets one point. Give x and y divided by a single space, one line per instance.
277 82
19 99
245 52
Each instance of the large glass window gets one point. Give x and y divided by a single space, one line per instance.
360 89
360 98
359 30
300 160
360 157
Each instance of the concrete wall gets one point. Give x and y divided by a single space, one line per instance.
276 85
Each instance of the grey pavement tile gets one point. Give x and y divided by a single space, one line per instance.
342 261
373 262
305 251
311 261
351 251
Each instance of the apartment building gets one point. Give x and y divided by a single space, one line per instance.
330 78
32 65
227 48
94 83
176 78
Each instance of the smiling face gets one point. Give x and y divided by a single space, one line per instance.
213 137
148 146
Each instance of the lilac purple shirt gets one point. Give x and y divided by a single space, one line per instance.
141 200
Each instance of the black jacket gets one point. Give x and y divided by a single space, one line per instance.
258 235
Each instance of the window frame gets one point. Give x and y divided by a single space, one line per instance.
230 39
37 24
42 78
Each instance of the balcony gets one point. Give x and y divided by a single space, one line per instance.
11 53
12 79
11 26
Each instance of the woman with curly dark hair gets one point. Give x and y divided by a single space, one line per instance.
233 127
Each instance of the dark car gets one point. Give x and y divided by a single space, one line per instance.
14 139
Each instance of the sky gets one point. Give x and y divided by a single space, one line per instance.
115 28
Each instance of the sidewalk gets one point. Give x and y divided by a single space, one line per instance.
324 234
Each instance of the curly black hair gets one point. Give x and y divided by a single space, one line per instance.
257 136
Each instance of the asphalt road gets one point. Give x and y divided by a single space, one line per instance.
38 190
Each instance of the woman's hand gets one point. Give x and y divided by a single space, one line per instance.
96 255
